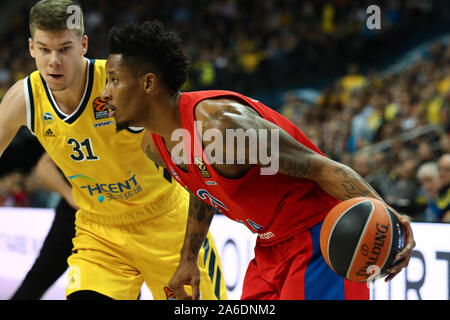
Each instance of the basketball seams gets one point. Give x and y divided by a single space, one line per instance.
392 238
355 253
345 232
337 222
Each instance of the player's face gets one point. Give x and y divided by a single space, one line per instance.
121 94
58 56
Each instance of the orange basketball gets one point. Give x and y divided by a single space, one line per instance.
360 238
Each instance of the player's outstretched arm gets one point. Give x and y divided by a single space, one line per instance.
296 160
341 182
292 157
13 114
199 219
187 273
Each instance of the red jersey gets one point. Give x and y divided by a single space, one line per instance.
274 206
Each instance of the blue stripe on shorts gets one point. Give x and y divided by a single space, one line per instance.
321 282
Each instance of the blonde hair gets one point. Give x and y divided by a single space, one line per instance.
428 167
53 15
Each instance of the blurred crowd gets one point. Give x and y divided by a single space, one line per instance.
18 189
392 128
250 46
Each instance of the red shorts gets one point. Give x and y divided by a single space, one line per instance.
294 269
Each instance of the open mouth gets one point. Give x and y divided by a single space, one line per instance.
55 76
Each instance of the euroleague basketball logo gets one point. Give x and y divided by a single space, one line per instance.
100 109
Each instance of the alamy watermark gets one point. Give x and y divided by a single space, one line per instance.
374 19
236 146
74 20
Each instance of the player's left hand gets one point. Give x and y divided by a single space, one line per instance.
187 273
404 255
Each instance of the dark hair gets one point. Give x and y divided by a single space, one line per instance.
149 48
56 15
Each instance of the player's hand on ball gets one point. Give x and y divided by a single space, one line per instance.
404 255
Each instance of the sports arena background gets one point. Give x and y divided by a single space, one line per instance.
377 100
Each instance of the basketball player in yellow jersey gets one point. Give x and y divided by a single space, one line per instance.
132 218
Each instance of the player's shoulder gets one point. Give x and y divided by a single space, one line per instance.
13 106
224 112
15 93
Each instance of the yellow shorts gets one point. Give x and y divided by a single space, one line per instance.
115 255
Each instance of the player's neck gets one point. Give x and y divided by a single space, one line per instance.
69 99
165 117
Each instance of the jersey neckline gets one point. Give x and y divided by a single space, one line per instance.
84 100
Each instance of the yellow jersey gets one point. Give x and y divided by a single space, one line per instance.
108 171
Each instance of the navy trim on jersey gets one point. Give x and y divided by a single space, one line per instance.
135 130
87 96
30 95
71 119
49 97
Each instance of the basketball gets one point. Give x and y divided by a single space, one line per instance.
360 238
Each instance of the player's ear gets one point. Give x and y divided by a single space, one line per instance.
31 46
149 82
84 44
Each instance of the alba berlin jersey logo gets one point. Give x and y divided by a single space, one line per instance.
47 117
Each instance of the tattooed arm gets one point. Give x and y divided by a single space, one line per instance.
296 160
337 179
293 158
199 219
187 273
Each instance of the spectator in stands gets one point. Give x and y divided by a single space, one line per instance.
403 194
428 177
443 200
364 164
425 151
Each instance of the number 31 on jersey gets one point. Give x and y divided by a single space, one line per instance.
82 150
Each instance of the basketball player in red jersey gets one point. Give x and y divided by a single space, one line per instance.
284 203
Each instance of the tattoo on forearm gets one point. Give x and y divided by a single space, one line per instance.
196 240
295 168
199 211
202 214
353 185
352 190
298 164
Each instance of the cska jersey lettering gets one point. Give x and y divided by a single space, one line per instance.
204 195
